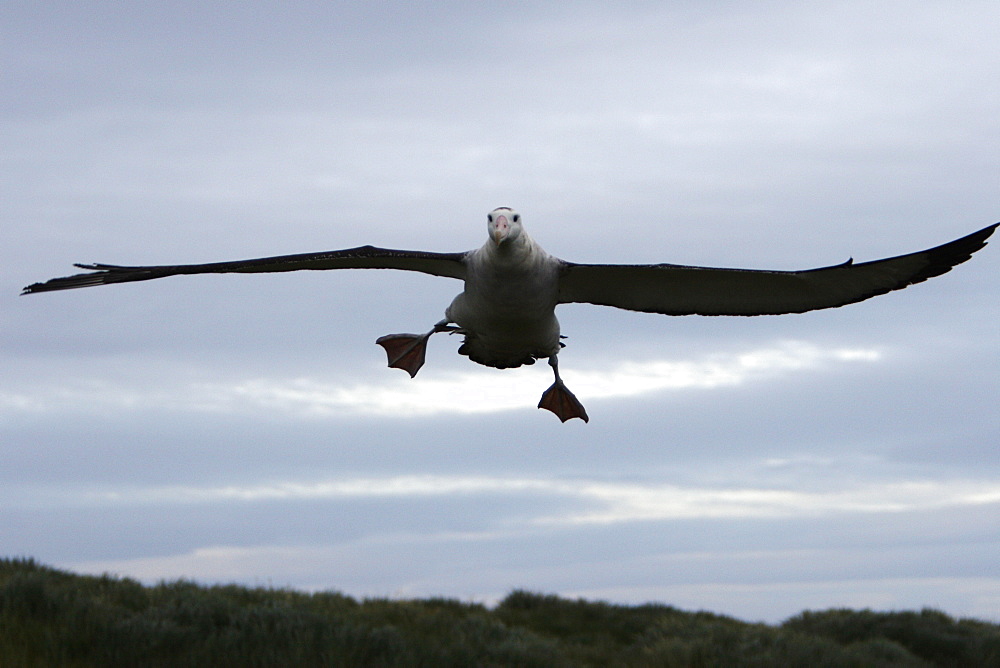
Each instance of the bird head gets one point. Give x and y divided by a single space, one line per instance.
504 224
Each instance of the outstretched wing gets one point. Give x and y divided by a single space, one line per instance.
680 290
451 265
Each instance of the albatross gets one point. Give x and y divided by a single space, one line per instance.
506 311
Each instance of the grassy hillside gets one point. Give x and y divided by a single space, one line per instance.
53 618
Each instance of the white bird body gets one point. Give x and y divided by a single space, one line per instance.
507 309
512 287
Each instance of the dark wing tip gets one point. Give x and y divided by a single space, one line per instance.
944 258
99 274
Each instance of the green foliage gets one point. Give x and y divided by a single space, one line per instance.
928 634
53 618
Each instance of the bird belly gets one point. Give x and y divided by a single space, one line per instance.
499 338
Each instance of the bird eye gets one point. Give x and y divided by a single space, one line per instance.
489 217
517 217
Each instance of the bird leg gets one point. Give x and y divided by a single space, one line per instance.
407 351
560 400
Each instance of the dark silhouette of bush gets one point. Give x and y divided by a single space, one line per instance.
928 634
53 618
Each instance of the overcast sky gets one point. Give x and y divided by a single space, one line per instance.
246 428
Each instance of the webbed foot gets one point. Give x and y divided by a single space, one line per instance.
563 403
560 400
405 351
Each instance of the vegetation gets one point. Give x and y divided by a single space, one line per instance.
54 618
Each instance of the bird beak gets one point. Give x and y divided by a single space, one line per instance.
501 228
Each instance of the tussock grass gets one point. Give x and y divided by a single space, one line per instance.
54 618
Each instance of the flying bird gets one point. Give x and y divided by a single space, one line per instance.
506 311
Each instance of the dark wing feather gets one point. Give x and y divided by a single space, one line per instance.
680 290
451 265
